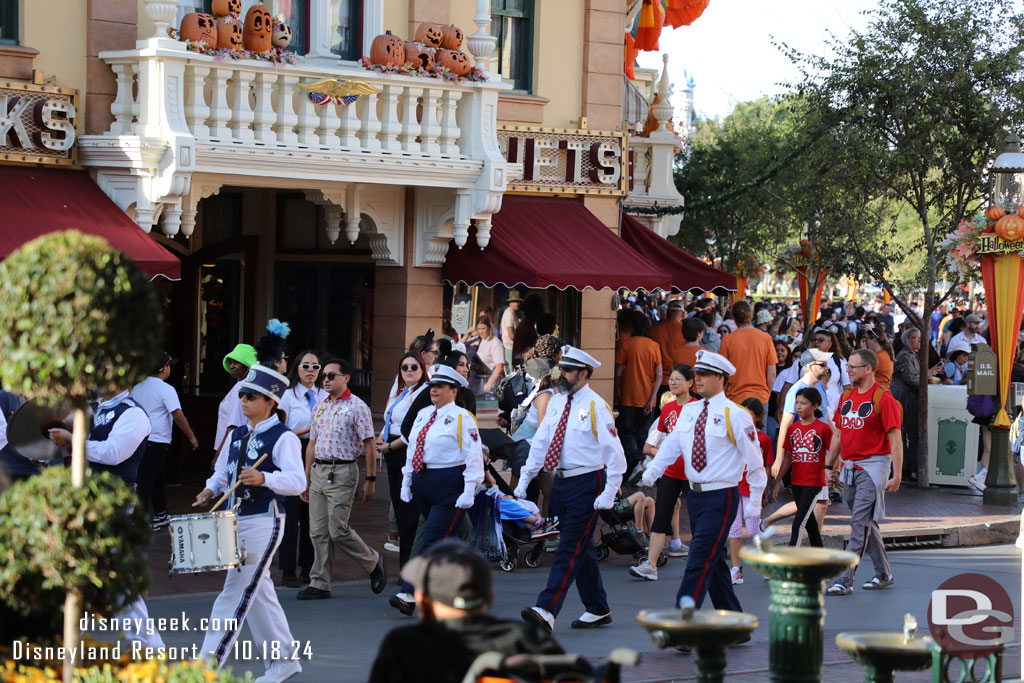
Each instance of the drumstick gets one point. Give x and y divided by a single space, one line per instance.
237 484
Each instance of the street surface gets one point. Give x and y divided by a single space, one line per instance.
343 632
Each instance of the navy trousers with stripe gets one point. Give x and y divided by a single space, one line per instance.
434 493
572 501
707 566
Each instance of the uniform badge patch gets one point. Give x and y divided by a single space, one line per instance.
751 434
611 430
473 434
584 415
716 420
447 420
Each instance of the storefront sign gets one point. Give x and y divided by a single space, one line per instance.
991 243
982 378
562 161
37 123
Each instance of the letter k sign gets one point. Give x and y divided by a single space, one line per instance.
11 112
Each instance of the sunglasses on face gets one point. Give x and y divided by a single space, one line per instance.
331 376
247 396
410 368
310 366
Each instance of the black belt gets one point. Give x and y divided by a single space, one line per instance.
333 461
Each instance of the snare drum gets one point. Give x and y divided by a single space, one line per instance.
205 542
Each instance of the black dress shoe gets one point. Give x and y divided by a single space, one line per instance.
310 593
530 616
379 575
304 579
291 581
603 621
403 606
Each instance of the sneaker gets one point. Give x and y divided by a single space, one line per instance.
638 471
546 528
391 545
682 550
551 545
737 575
644 570
280 670
160 521
978 482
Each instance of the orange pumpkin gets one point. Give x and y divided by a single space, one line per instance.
229 33
452 37
419 55
994 213
258 29
282 36
226 8
430 35
1010 227
456 62
198 28
1020 212
387 50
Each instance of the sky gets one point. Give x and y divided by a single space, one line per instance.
729 50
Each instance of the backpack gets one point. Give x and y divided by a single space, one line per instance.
876 399
981 405
512 389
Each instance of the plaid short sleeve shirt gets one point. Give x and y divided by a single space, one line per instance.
340 426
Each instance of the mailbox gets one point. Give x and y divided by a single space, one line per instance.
982 371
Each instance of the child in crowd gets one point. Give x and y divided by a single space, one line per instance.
806 445
752 523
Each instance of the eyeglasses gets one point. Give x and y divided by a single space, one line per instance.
331 376
247 396
433 351
410 368
821 340
850 366
310 366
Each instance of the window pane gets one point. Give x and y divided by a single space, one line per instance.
294 14
345 28
8 21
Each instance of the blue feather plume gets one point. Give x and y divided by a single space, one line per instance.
279 328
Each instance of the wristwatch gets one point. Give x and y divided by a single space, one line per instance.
371 479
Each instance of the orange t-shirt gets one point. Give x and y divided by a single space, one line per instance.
687 355
883 375
641 358
751 351
669 335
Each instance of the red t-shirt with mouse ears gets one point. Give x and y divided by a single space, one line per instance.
808 446
862 432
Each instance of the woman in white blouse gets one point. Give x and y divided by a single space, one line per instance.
490 352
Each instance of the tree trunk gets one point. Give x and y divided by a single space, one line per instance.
922 400
73 601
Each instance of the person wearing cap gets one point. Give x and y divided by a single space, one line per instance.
716 439
970 334
444 467
763 320
264 457
452 586
576 440
161 403
229 412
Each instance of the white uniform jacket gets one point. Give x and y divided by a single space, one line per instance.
453 439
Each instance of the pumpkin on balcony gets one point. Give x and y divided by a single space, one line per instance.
282 36
229 33
419 55
1010 227
456 62
258 29
452 37
430 35
387 50
198 28
226 8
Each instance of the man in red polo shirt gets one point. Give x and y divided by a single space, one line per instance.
867 432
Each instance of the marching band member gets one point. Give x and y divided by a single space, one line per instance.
576 440
445 467
249 593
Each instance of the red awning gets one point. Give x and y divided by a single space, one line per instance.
688 272
36 201
551 242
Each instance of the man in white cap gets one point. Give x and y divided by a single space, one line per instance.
717 440
814 364
577 441
248 594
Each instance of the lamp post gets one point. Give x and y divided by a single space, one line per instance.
1003 275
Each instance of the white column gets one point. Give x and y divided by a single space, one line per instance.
196 111
241 107
481 44
320 34
410 126
287 119
264 117
369 123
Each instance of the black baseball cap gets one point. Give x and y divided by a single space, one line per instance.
451 573
164 359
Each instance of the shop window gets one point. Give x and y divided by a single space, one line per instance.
346 26
8 22
512 25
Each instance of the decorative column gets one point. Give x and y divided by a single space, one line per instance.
481 44
162 12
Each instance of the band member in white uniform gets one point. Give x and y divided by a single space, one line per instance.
716 439
248 595
577 441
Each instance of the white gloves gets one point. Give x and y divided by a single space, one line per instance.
465 501
649 479
605 501
406 494
520 491
751 510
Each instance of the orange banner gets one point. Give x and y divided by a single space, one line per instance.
1003 276
809 305
741 289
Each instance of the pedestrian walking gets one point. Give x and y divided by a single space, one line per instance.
752 353
716 439
509 322
804 448
162 405
248 595
867 435
577 441
638 373
446 466
669 335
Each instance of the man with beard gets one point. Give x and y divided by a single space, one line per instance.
576 440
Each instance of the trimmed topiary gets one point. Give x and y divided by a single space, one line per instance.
76 315
56 539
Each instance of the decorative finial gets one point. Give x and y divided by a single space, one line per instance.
909 626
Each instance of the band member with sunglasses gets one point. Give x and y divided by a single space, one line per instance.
867 426
298 404
248 594
341 430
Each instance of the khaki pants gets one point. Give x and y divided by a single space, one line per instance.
330 506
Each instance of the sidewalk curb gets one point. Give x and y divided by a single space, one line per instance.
1003 530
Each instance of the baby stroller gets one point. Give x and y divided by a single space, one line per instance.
620 535
509 544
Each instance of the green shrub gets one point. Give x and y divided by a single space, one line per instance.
55 538
75 315
152 670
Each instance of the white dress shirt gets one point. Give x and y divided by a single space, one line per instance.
229 413
130 430
837 380
159 400
398 413
725 461
289 480
445 445
296 407
788 376
590 438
